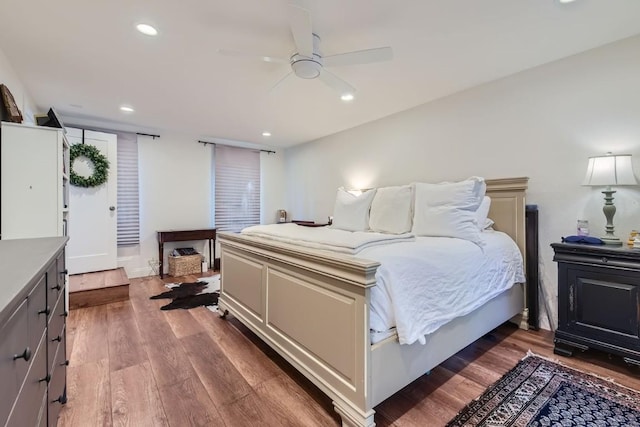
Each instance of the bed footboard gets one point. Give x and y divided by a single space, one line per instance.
313 310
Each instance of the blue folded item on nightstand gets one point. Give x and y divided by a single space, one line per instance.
588 240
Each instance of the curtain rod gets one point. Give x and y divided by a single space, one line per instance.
148 134
205 143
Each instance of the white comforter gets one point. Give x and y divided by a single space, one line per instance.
424 284
326 238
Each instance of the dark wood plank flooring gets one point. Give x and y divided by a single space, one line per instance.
132 364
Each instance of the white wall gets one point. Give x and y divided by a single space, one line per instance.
9 78
175 193
175 188
542 123
273 183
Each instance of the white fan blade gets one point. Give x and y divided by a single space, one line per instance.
279 82
366 56
336 83
237 53
300 22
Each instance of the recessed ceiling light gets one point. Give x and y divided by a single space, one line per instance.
147 29
266 134
126 109
566 1
347 97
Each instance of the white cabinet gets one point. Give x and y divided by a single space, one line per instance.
34 181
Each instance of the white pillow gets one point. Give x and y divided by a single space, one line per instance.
449 209
351 212
391 210
482 213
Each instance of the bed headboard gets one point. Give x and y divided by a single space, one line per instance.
508 207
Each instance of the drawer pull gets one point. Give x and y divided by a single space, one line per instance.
47 379
64 272
65 363
65 314
59 400
26 355
571 297
56 287
46 311
58 338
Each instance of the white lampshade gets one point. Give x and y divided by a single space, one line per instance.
610 170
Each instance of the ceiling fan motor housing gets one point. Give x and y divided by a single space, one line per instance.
306 68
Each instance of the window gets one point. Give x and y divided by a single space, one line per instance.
237 188
128 196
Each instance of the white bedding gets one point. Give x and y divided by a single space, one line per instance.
326 238
422 285
423 282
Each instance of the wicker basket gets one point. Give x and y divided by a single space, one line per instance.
184 265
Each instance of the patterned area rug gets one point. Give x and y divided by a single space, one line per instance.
538 392
188 295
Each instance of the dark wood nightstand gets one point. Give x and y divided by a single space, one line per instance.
598 300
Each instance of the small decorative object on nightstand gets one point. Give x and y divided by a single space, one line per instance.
598 300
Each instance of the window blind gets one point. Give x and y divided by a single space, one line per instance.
237 188
128 194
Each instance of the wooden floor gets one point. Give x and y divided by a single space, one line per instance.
132 364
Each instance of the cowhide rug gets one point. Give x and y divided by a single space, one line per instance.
188 295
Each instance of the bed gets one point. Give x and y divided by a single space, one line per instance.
313 308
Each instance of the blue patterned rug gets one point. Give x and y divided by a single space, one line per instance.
539 393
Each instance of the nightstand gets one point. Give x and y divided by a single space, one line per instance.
598 300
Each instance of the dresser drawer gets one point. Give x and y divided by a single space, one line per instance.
57 346
25 411
43 412
58 315
13 371
57 386
55 283
55 331
38 312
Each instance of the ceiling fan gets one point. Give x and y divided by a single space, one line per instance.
307 62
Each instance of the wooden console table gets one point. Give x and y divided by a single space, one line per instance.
184 235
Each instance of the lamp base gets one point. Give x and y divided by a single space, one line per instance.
611 241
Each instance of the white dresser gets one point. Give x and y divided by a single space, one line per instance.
34 181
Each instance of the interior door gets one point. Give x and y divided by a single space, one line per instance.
92 211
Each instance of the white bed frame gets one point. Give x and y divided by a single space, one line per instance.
313 308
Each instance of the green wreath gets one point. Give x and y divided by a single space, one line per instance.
100 166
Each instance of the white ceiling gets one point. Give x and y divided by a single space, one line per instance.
86 59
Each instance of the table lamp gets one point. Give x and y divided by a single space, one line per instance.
610 170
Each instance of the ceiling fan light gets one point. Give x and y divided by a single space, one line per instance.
346 97
306 68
